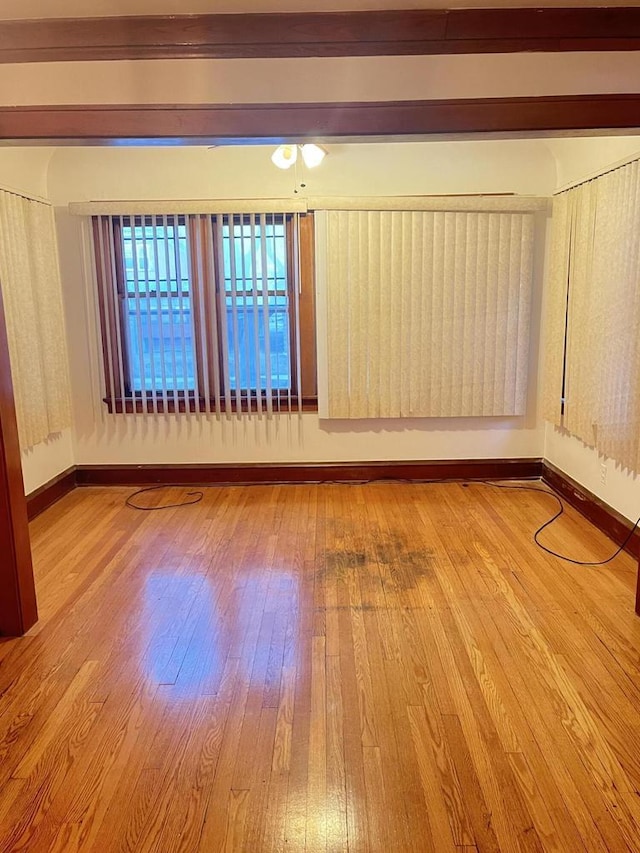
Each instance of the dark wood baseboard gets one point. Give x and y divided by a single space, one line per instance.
604 517
46 495
348 472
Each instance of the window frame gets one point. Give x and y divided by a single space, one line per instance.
112 298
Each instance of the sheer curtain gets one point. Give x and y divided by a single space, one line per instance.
427 312
593 314
32 293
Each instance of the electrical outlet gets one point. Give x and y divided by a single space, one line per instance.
603 473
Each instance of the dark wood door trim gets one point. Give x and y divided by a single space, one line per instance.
198 124
18 611
376 33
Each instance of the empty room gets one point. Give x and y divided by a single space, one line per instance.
319 427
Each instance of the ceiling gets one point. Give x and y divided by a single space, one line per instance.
580 90
20 9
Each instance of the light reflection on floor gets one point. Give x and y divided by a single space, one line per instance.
189 631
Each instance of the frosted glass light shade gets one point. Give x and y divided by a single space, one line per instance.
312 155
285 156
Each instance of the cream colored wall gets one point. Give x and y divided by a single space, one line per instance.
460 167
578 159
25 170
329 79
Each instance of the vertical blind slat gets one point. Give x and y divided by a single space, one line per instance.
120 310
105 301
138 314
296 355
222 308
265 274
234 313
156 260
297 290
200 309
213 318
171 393
256 314
149 320
265 310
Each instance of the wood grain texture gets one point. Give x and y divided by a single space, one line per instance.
336 667
615 525
372 33
18 609
218 123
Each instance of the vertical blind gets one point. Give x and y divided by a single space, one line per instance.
199 312
592 345
427 313
32 295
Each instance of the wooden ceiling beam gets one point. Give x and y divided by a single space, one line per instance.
381 33
219 123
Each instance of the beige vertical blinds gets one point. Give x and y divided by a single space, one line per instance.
556 308
199 312
32 294
593 343
427 313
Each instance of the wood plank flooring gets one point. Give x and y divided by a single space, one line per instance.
385 667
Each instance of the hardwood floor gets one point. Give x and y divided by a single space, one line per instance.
388 667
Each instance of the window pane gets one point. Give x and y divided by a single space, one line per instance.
153 264
266 262
275 253
158 305
160 335
249 372
159 323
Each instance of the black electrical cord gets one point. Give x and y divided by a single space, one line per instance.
550 521
198 496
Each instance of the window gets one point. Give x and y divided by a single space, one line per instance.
427 312
206 312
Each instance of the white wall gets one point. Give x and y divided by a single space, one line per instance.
405 168
578 159
160 173
25 170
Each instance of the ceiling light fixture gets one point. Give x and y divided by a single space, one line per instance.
312 155
286 155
